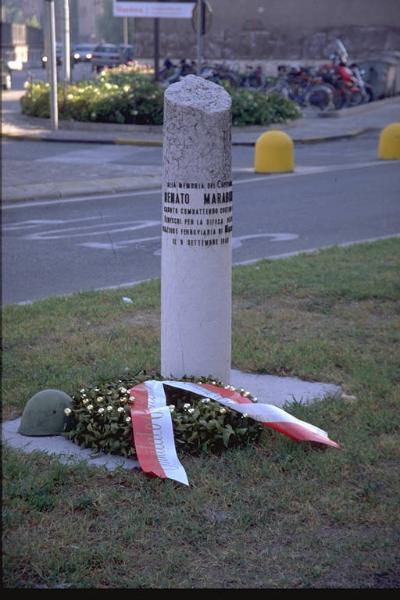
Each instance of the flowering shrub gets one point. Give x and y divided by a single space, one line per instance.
100 420
36 100
137 100
126 95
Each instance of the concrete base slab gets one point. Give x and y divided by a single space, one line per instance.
67 451
269 389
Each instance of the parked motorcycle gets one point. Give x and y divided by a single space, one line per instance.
365 88
345 83
174 73
220 73
253 78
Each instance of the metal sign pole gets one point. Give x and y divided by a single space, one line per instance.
53 65
125 30
156 48
66 44
200 8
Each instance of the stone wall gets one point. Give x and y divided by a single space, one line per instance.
280 29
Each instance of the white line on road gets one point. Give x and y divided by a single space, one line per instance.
119 245
318 170
83 231
99 155
317 249
299 172
86 198
39 222
236 264
237 242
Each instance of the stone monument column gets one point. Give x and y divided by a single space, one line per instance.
196 258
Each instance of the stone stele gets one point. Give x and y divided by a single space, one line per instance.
196 261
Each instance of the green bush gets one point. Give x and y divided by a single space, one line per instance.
100 420
256 108
126 95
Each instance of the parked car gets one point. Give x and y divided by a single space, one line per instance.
59 56
126 51
6 78
83 53
106 55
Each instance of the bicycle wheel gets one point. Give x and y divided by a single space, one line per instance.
320 96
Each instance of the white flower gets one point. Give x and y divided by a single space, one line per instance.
99 398
101 410
190 410
96 389
186 405
120 409
244 415
70 97
109 408
123 390
82 390
128 419
67 411
85 400
222 411
205 400
171 408
126 88
89 406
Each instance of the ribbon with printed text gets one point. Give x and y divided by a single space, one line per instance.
153 433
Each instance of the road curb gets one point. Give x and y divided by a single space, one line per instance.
159 143
128 142
33 137
80 192
339 136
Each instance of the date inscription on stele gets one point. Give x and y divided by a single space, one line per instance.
197 214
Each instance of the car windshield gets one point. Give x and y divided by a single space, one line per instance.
107 49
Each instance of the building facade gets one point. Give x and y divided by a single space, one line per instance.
280 29
246 30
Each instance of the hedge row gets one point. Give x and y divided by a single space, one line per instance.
125 96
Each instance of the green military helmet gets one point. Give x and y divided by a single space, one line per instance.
44 413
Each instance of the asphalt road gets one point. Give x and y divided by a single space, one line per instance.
343 151
59 247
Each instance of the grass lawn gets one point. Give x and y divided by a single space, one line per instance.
279 515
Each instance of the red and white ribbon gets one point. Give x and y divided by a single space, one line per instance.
153 430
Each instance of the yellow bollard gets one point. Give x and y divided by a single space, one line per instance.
274 153
389 142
